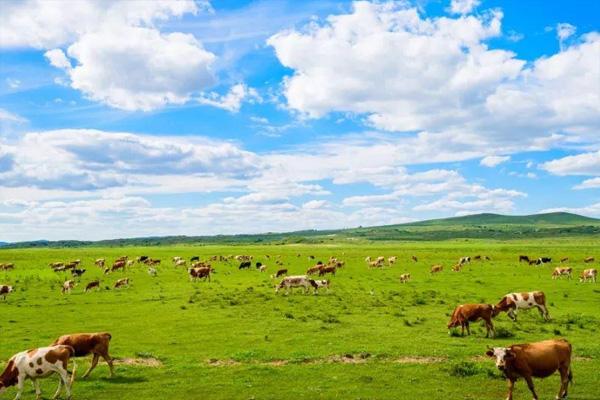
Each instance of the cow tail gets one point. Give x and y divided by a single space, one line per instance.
570 375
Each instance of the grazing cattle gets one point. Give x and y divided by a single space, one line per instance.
130 263
142 258
180 263
195 258
588 260
281 272
465 313
314 269
513 302
457 267
123 282
152 271
535 360
7 267
84 344
100 262
381 259
392 260
59 268
200 272
564 259
533 262
258 265
176 259
486 258
245 265
588 275
404 278
4 290
122 258
321 283
524 258
296 281
37 364
414 258
436 268
311 257
67 286
327 270
76 262
368 259
56 264
477 258
464 260
77 272
376 264
543 260
71 265
91 285
558 272
262 268
117 265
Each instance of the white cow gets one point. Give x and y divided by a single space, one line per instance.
296 281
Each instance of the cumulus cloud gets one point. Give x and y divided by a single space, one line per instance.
592 210
438 75
463 6
7 116
580 164
232 101
492 161
564 31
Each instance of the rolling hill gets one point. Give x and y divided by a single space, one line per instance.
477 226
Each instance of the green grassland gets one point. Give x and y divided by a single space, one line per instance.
369 337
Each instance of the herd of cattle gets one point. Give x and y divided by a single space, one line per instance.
539 359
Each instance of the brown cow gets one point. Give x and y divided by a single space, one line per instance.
466 313
535 360
89 343
7 267
414 258
327 270
123 282
281 272
436 268
117 265
315 269
200 272
457 267
91 285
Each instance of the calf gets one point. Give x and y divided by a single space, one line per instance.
535 360
91 285
123 282
436 268
466 313
588 260
404 278
558 272
296 281
89 343
588 274
67 286
36 364
516 301
4 290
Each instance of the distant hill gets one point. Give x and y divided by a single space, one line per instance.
477 226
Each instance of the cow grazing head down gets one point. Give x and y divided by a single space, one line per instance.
503 356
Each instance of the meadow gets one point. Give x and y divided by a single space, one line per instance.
369 337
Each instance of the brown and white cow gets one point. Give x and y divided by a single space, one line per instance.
67 286
562 271
36 364
588 275
457 267
84 344
100 262
466 313
526 300
535 360
117 265
392 260
7 266
296 281
588 260
436 268
91 285
4 290
321 283
123 282
404 278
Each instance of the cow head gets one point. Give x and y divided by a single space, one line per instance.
503 356
495 310
9 376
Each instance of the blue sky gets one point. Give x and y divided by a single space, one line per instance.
122 119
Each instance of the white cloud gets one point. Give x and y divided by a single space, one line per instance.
593 210
13 83
437 75
58 59
232 101
580 164
492 161
564 31
7 116
463 6
592 183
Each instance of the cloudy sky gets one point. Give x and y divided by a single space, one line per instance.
135 118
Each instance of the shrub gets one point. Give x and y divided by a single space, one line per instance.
465 368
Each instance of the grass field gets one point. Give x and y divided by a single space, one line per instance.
369 337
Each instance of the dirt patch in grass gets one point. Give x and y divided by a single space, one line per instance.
360 358
139 362
419 360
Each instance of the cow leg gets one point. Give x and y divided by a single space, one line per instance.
92 365
544 312
462 326
60 385
38 391
531 387
512 314
64 376
109 361
511 386
20 384
564 383
468 328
